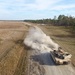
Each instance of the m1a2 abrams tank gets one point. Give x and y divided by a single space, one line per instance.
60 57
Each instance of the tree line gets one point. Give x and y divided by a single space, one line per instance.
61 20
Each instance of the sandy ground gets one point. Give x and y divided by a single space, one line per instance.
12 35
41 63
18 59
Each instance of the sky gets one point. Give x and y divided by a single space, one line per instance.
35 9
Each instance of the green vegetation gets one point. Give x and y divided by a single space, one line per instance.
61 20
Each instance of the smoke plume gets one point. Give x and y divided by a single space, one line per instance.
37 39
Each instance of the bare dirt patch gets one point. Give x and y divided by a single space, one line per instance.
63 37
12 35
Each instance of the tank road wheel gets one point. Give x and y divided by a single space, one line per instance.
57 62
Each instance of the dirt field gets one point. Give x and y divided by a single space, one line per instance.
18 59
63 37
12 51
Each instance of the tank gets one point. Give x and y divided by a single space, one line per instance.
60 57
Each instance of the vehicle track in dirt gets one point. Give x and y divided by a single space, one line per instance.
44 60
12 50
21 66
9 62
34 67
17 59
50 66
6 49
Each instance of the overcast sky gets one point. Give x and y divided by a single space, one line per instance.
35 9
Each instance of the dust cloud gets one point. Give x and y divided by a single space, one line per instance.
37 39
